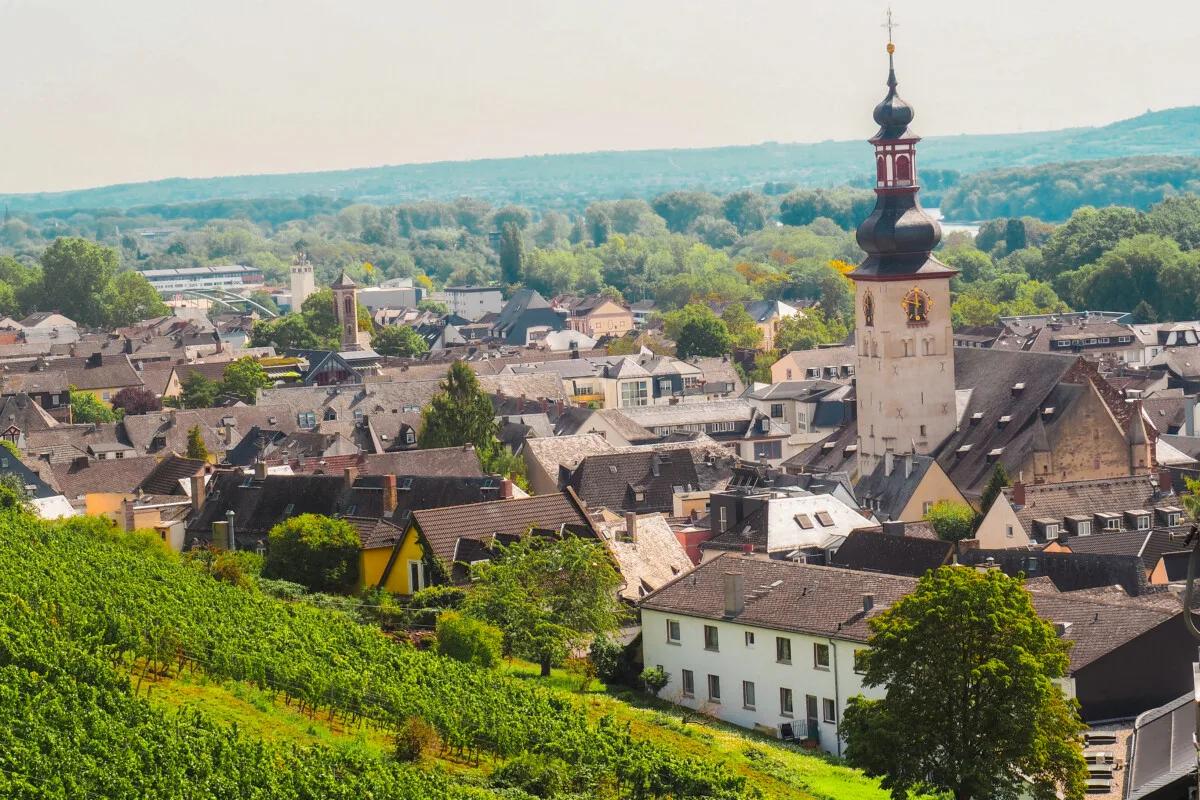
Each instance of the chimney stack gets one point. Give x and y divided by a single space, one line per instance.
735 593
908 466
889 462
1165 484
198 493
1018 494
894 527
129 521
390 495
260 470
868 602
228 434
349 474
631 526
506 489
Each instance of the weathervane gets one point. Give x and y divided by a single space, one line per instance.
890 24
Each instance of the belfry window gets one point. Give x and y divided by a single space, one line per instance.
903 169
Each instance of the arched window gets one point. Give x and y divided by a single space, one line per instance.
880 170
903 168
349 306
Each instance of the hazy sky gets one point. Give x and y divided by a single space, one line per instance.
125 90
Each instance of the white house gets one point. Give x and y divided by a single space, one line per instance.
770 645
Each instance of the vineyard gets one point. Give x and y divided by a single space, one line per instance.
88 614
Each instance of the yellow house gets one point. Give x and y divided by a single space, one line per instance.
440 543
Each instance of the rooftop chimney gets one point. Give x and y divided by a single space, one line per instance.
390 495
506 489
129 521
198 493
349 474
908 465
1018 494
868 602
631 526
889 462
260 470
1165 484
735 593
894 527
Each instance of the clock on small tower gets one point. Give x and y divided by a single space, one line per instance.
917 304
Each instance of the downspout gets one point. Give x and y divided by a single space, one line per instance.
837 699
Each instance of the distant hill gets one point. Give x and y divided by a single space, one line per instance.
571 181
1053 191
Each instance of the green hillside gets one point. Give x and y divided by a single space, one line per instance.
253 697
572 181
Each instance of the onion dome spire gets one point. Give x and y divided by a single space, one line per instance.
898 236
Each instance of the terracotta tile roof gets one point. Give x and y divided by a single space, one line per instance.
446 462
1098 626
119 475
167 475
441 528
616 480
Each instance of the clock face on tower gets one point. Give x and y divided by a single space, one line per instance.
917 304
868 309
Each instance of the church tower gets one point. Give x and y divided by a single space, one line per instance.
905 368
303 281
345 310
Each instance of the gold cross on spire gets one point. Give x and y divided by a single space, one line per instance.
890 25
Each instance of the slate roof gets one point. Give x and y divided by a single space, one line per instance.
64 443
1113 495
1068 571
802 390
1149 545
446 462
875 551
612 480
169 475
442 528
576 419
119 475
787 522
989 376
112 371
784 596
552 452
887 495
837 452
170 427
1097 626
375 532
25 413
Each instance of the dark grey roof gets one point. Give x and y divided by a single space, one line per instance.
1149 545
886 494
166 477
837 452
1162 753
874 551
1068 571
614 480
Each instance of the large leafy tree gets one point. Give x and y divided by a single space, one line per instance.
86 407
315 551
243 378
286 333
136 400
198 391
398 340
971 708
461 413
129 297
741 326
808 329
952 522
548 596
697 331
76 273
512 253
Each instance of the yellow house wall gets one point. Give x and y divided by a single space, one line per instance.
993 531
372 563
1089 444
104 504
934 487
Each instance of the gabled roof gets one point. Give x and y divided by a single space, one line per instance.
117 475
170 474
1111 495
875 551
442 528
344 281
653 560
791 520
616 480
1096 625
783 595
1068 571
887 494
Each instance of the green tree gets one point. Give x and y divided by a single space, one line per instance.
971 708
433 307
129 297
468 640
195 444
972 310
1087 235
198 391
288 332
548 596
512 253
136 400
748 211
741 326
87 408
398 340
243 378
697 331
951 521
807 330
461 413
314 551
1133 268
75 274
680 209
995 485
1144 313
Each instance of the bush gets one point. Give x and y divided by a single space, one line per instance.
318 552
414 737
655 679
468 640
431 601
951 521
539 775
606 658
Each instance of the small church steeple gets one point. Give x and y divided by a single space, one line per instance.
345 310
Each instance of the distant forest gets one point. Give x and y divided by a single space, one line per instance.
569 183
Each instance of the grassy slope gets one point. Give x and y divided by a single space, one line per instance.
777 771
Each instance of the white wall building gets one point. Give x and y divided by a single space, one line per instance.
472 302
764 644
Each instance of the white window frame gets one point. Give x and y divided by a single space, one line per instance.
715 647
673 627
828 710
748 695
819 648
714 682
420 573
787 702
